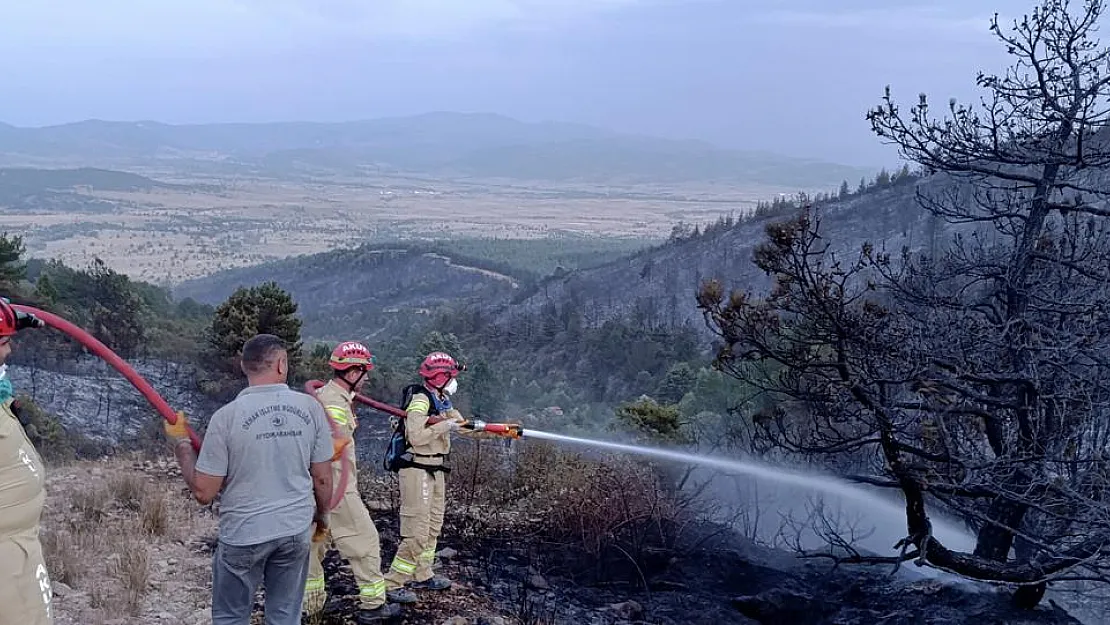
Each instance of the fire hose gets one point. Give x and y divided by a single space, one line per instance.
103 351
508 430
163 408
100 349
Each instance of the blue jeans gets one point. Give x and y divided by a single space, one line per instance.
281 565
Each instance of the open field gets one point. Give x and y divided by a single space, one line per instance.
168 235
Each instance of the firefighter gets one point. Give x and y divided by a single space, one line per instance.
351 527
25 591
422 478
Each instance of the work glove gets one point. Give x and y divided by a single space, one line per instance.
320 528
178 431
338 446
456 424
24 320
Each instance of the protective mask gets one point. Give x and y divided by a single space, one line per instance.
451 387
6 389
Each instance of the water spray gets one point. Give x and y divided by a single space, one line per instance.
948 533
868 500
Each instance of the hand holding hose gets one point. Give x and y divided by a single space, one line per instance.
24 319
27 320
178 430
320 527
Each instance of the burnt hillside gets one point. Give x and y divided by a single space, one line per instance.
657 287
361 290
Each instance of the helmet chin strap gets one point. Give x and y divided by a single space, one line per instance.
441 389
351 385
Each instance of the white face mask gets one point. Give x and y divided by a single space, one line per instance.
3 371
451 387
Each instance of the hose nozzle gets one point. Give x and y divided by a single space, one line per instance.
507 430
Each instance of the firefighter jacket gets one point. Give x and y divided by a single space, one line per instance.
429 443
338 404
22 478
25 593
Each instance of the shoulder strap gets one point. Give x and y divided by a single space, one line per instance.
411 390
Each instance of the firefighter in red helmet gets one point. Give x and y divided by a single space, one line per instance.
25 592
350 525
423 490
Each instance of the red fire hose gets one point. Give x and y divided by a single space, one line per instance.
312 386
101 350
510 430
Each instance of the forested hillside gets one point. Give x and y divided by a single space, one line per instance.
582 339
657 287
365 291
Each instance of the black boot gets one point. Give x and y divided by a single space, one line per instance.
438 582
335 605
380 614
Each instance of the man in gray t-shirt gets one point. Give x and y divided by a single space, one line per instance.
269 453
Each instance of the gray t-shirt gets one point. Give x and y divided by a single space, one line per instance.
262 443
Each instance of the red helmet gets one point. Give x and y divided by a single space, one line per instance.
8 325
351 354
438 368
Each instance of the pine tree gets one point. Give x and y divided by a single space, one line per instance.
12 269
263 309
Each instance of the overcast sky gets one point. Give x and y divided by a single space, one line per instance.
790 76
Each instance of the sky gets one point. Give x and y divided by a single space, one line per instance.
794 77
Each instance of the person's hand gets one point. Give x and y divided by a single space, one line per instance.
178 431
456 424
24 320
320 529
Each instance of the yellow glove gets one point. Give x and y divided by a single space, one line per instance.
338 445
319 532
179 431
320 528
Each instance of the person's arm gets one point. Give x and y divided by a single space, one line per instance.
322 490
339 417
416 423
320 466
204 485
471 434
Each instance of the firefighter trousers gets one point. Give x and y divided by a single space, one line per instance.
423 495
25 592
356 539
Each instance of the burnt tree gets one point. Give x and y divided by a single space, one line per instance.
978 371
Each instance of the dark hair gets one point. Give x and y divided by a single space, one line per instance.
259 352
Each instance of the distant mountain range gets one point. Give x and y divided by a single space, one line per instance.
26 188
439 144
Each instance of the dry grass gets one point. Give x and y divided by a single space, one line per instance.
600 518
67 553
155 514
131 566
91 506
117 536
128 489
